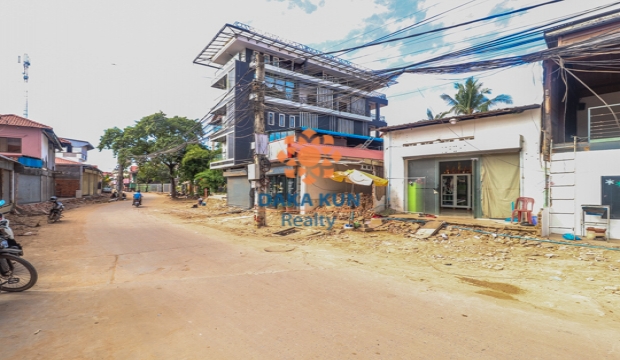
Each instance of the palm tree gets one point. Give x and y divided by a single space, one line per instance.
471 98
441 115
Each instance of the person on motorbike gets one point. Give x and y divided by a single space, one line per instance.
138 196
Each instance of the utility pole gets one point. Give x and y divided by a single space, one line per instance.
259 129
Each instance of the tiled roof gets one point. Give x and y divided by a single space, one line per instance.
64 141
15 120
62 161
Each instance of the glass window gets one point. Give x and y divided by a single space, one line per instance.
271 118
267 59
276 61
345 126
291 121
10 145
282 121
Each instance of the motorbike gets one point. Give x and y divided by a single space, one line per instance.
56 211
136 202
16 274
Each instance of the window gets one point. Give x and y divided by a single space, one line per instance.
309 120
271 118
291 121
10 145
276 61
230 112
282 121
324 97
358 105
267 59
345 126
231 79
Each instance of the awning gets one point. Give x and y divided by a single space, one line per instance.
359 178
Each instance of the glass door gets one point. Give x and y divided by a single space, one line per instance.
463 191
447 190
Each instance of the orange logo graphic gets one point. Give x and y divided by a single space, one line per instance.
314 155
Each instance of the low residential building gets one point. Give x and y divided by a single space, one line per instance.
582 124
469 165
76 179
33 146
7 183
75 150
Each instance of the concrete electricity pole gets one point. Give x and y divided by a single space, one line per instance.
259 129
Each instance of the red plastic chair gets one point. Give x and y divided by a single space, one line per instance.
524 205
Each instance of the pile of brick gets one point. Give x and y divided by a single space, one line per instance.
346 212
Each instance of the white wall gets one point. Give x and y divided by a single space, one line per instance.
592 101
490 135
589 167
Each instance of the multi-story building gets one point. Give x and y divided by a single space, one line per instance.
74 150
304 89
581 126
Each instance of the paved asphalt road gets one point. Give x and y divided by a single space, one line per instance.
123 283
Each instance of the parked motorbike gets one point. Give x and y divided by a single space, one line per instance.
16 274
56 211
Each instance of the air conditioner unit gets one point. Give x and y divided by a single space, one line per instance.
366 167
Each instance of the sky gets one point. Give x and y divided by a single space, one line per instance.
97 65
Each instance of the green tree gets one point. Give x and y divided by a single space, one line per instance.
163 140
471 98
120 142
149 172
211 179
196 159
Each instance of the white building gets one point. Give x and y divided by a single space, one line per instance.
472 165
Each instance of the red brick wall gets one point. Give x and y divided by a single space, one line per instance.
67 188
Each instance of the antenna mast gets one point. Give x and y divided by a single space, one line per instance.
26 77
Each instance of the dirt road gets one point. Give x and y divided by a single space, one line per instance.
123 283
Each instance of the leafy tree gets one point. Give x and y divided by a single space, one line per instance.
150 171
120 142
471 97
163 140
211 179
196 159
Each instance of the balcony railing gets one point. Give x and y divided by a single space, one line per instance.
604 123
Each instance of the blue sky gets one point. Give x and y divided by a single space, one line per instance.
97 65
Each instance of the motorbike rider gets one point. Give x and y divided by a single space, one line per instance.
138 196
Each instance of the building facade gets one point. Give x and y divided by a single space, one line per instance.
303 90
581 124
469 165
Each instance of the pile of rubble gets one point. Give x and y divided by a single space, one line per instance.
44 207
345 211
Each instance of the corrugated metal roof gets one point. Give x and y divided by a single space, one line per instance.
15 120
499 112
582 24
345 152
